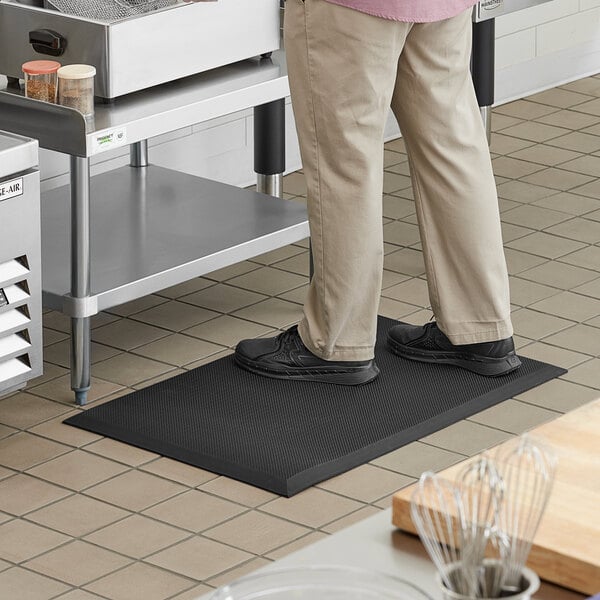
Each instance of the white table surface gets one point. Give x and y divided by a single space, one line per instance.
376 544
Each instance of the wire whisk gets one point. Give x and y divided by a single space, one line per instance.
437 512
482 492
528 470
479 530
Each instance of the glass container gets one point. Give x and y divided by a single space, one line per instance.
320 583
41 79
76 88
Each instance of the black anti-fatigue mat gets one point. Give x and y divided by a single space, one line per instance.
285 436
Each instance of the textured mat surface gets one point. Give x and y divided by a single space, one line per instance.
286 436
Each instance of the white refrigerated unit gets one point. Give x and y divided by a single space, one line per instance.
20 276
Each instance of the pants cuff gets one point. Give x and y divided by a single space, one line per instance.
476 332
344 353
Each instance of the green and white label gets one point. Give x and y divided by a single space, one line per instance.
109 139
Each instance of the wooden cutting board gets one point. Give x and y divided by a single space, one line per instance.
566 550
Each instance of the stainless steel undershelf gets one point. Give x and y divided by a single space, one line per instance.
152 228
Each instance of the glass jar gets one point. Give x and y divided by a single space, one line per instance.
320 583
76 88
41 79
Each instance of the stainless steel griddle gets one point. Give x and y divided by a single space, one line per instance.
171 40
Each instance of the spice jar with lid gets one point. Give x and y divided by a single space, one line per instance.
41 79
76 88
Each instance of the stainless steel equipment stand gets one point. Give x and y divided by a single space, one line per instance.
142 228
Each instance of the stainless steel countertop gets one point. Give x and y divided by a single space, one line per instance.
149 113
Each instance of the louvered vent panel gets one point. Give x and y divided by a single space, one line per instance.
12 344
12 269
15 321
14 367
11 320
16 294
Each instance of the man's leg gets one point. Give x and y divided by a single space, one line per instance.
456 200
342 67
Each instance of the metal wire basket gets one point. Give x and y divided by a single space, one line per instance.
108 10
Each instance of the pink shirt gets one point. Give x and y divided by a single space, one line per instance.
412 11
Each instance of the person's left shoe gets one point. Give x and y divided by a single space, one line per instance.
429 344
286 357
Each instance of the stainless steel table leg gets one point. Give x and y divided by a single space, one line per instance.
269 151
80 276
139 154
486 116
270 184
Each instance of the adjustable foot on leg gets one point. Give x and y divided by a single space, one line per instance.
81 397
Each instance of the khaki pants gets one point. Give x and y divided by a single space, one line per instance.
346 68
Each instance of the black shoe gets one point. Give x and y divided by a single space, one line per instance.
286 357
428 344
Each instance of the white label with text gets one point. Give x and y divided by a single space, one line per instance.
10 189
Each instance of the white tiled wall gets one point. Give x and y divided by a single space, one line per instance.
537 48
546 45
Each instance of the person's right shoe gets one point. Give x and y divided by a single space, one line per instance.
286 357
428 343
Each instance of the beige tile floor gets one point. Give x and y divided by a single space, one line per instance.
83 517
